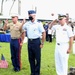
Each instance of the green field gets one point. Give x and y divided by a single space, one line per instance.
47 60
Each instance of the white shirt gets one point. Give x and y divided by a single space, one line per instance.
74 30
34 29
63 33
49 31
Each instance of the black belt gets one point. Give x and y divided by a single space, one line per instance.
33 39
14 38
62 43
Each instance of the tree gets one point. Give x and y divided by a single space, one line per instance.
12 6
2 1
19 6
1 7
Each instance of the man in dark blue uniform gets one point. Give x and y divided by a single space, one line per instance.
34 31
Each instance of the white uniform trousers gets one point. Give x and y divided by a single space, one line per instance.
61 58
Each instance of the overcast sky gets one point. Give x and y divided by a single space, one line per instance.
44 7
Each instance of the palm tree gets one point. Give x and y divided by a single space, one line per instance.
1 7
11 6
19 6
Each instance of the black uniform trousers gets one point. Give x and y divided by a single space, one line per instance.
34 53
50 37
15 53
47 35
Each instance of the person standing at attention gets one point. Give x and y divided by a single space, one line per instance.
64 42
17 37
34 31
46 30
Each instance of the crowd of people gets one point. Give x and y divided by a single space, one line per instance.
33 29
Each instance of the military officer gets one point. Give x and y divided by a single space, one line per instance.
17 37
64 41
34 31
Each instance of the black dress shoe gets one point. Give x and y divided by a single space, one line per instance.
32 74
16 69
37 74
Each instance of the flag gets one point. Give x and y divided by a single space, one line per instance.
3 62
2 57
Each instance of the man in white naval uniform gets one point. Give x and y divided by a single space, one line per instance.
64 41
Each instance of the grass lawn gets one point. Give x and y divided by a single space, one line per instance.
47 60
